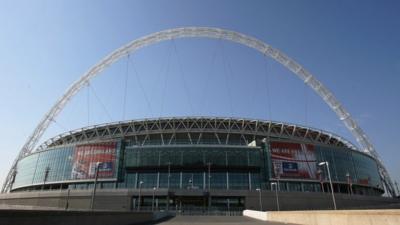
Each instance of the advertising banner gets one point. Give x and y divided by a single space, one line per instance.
85 159
293 160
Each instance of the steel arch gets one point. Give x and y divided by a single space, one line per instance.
205 32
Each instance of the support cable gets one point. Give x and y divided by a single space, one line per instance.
269 108
228 69
253 97
88 104
165 80
60 125
305 105
125 87
101 103
185 87
208 75
141 87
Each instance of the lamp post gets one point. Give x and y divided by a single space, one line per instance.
260 199
169 173
46 175
140 192
321 181
95 184
276 194
349 183
67 201
209 185
152 202
330 181
209 175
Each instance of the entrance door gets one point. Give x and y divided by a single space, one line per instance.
190 205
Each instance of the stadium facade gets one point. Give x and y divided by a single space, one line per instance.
198 162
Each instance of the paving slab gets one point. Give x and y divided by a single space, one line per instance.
219 220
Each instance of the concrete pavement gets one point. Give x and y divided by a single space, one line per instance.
218 220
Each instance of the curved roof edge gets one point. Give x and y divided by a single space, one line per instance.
197 124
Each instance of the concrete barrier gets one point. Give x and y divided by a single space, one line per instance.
256 214
330 217
51 217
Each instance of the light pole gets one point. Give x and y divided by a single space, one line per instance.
169 172
192 180
140 192
330 181
276 194
209 176
95 184
152 202
349 183
67 201
209 185
46 175
321 181
259 197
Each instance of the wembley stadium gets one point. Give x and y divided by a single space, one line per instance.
199 164
186 163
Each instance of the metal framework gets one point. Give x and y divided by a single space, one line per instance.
196 130
205 32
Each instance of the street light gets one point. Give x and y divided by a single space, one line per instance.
349 183
46 175
67 201
259 196
95 184
330 181
321 181
169 172
209 185
276 194
140 192
152 202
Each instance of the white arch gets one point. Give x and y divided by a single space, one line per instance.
206 32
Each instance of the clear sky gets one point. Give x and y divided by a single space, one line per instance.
351 46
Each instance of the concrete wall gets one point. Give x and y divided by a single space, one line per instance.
77 199
121 200
315 201
51 217
330 217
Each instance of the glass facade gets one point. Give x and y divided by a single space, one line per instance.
203 167
48 166
57 165
349 166
186 155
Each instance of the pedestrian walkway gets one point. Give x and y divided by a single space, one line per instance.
218 220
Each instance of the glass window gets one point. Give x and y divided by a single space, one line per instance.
149 180
255 180
367 170
294 186
174 180
238 157
238 181
218 180
216 157
192 180
193 157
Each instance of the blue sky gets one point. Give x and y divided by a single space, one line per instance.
351 46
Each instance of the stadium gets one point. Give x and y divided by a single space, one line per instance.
199 164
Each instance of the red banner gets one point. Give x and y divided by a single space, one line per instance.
87 156
293 160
